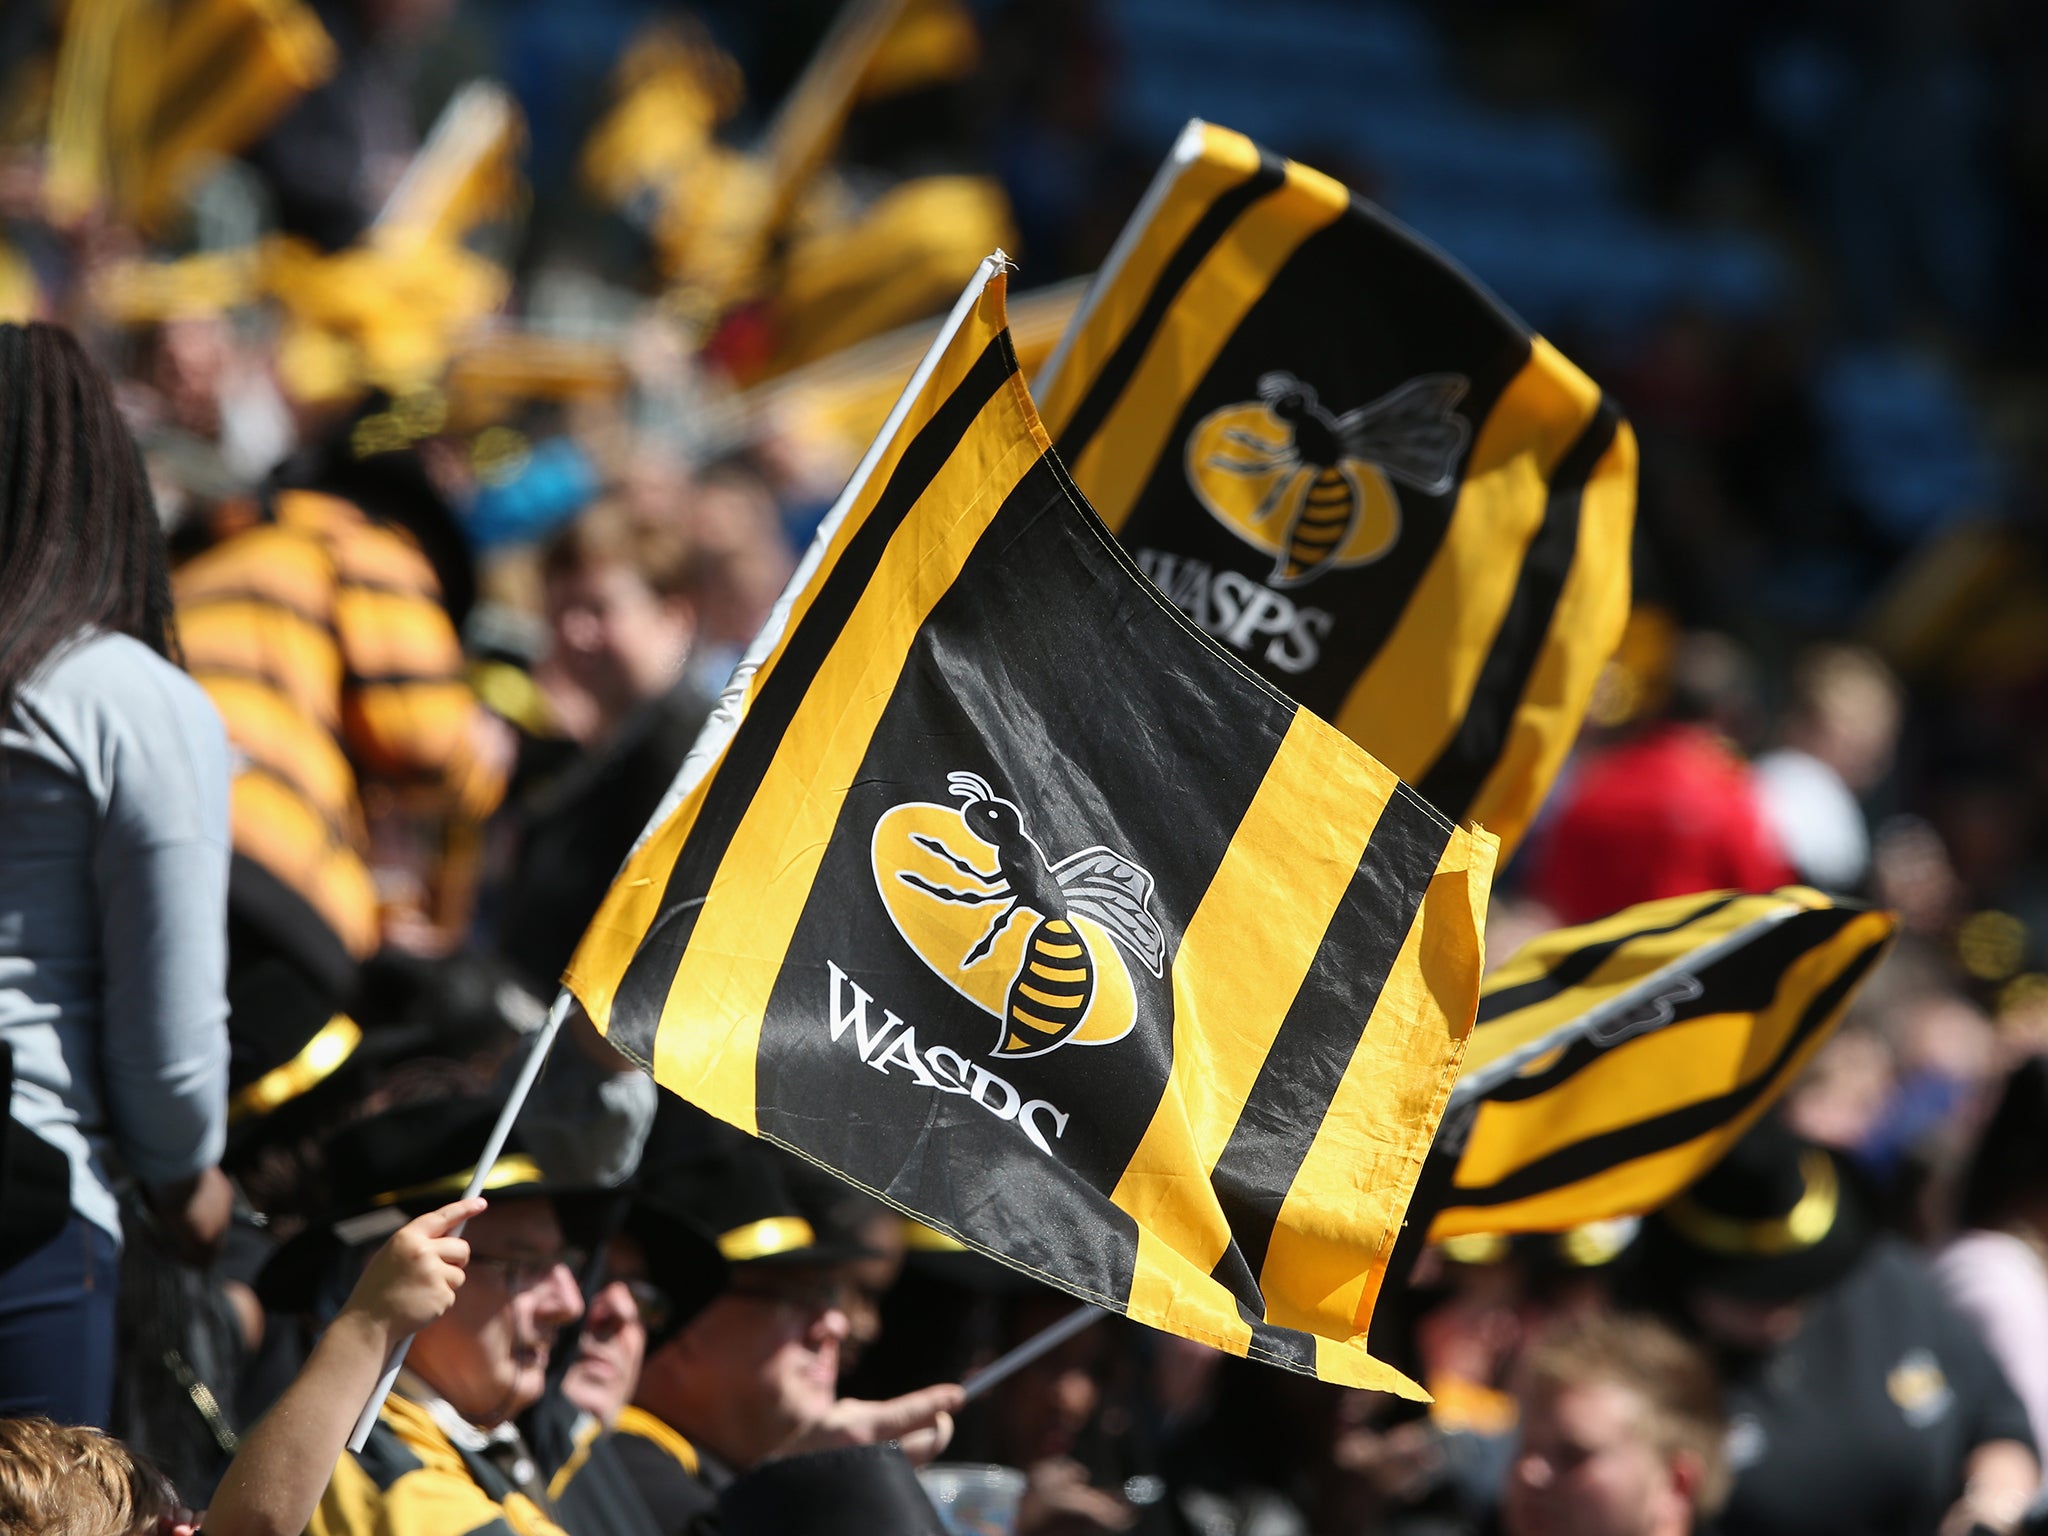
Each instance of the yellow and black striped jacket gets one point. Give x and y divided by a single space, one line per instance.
670 1474
410 1479
321 638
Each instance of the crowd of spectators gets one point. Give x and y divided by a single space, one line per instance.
333 692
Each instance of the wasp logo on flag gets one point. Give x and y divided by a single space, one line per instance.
1056 979
1286 948
1316 490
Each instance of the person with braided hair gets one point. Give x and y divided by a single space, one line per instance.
113 885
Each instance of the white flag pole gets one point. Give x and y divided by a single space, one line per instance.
536 1057
1042 1342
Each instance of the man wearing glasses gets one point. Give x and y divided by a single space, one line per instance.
445 1458
754 1374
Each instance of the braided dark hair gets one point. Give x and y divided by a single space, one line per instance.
80 545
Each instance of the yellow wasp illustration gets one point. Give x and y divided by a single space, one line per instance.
1411 434
1054 986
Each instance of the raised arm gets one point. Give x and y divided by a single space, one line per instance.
276 1479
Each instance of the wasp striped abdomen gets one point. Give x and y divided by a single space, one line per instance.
1050 996
1327 513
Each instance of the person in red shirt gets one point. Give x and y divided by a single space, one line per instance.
1668 811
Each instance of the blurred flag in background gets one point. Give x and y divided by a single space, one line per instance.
1615 1062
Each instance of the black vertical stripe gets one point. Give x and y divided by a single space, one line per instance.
643 990
1592 1155
1323 1029
1576 966
1458 773
1209 230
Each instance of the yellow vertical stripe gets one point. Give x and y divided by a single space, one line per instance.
1585 629
633 904
1407 705
83 99
976 332
1120 458
1240 963
1165 1284
630 909
1227 159
1367 1154
710 1027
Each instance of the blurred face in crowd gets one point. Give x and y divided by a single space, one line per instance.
756 1367
1047 1405
403 19
1183 1375
488 1353
613 1343
190 369
735 524
1587 1465
618 639
882 1236
1750 1327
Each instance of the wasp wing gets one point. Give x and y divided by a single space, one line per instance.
1413 433
1103 884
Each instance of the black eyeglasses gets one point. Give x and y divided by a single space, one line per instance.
652 1302
523 1274
811 1295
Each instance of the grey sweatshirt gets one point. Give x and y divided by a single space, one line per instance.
113 927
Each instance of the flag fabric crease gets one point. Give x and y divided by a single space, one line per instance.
1001 890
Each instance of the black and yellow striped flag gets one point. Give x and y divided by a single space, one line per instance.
1346 460
149 91
999 889
1613 1063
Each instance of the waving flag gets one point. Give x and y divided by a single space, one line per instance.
148 92
998 888
1344 459
1613 1063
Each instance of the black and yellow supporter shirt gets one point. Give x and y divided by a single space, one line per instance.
676 1480
588 1486
412 1479
1862 1424
321 639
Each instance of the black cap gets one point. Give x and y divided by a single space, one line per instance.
731 1187
384 1170
294 1057
1776 1220
683 1263
856 1490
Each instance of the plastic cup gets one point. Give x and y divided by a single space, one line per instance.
972 1499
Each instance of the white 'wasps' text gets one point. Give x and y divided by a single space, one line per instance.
1240 611
941 1067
